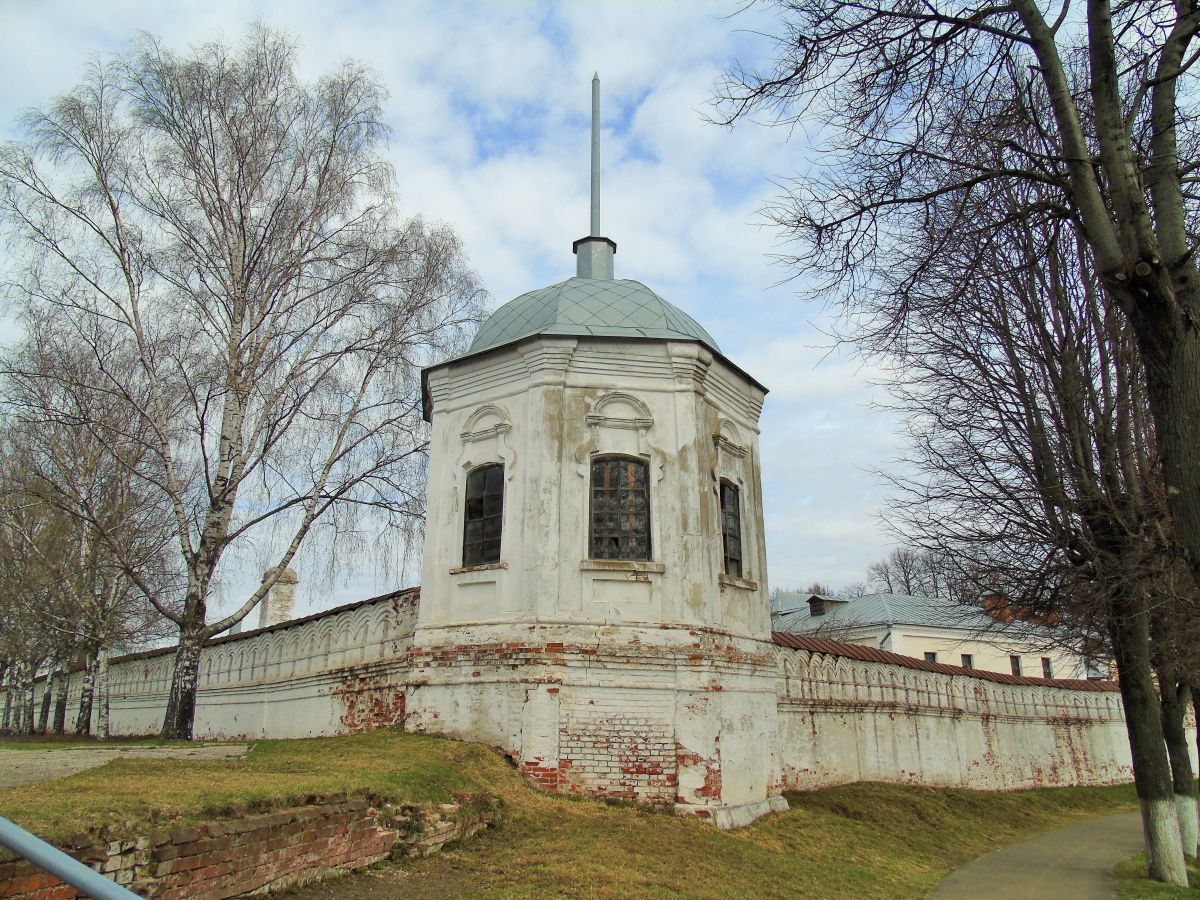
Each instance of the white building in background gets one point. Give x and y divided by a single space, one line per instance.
932 630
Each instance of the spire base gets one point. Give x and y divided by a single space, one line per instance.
594 257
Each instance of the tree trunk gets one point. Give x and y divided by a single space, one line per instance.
181 705
83 722
6 686
1129 628
15 680
102 694
1175 698
1166 320
47 696
27 707
60 702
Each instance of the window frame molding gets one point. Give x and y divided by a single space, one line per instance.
618 424
485 440
733 462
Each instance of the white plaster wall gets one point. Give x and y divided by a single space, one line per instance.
544 408
322 675
844 720
989 654
649 695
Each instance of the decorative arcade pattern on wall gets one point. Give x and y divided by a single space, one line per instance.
853 713
846 712
336 672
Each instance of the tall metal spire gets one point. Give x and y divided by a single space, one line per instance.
595 154
595 253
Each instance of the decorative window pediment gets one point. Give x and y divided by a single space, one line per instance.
486 422
619 410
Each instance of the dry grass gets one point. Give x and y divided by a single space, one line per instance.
863 840
857 840
389 764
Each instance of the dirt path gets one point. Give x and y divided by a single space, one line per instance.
19 767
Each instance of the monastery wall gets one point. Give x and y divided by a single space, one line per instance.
845 712
843 719
336 672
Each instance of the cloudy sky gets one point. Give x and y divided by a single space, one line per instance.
489 115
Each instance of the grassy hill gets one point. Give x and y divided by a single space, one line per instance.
850 841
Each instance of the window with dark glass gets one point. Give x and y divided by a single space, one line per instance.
731 529
620 510
484 515
1047 667
930 657
1015 662
968 661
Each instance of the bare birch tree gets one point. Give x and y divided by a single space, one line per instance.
89 493
224 237
922 573
29 596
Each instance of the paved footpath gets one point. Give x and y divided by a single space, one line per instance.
19 767
1073 863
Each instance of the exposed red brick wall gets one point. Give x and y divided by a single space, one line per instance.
230 858
370 701
613 741
614 744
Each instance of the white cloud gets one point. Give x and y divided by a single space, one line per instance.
489 116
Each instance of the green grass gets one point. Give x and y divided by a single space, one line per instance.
1133 883
852 841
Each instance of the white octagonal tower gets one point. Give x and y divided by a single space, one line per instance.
593 592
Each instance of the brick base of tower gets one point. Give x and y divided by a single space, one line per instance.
674 717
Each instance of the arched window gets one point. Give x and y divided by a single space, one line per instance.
484 517
620 510
731 528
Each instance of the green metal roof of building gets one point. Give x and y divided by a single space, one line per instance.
790 612
590 307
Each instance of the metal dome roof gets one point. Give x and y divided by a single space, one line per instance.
590 307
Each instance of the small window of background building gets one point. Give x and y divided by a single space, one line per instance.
1015 662
931 657
1047 667
968 661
